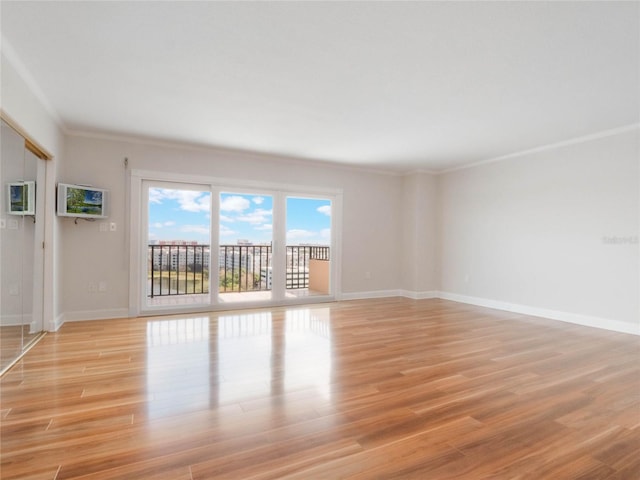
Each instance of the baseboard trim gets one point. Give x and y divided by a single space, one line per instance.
577 319
372 294
419 295
12 320
96 314
56 323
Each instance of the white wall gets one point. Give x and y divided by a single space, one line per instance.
532 232
371 222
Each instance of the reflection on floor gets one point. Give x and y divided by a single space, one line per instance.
13 340
10 343
372 389
245 347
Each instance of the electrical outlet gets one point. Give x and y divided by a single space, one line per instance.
102 286
112 226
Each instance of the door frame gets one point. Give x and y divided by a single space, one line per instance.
216 185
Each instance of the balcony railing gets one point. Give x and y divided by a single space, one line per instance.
184 269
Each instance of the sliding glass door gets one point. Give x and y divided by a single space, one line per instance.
210 246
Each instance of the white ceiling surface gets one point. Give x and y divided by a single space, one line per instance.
388 85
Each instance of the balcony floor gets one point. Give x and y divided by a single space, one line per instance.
230 298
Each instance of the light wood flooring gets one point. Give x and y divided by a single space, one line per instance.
375 389
10 344
14 339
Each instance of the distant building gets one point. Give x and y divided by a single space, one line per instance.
234 259
177 242
266 277
183 254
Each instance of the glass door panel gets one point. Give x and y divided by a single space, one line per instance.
13 246
308 257
178 249
245 247
22 220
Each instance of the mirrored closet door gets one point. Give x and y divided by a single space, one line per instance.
22 179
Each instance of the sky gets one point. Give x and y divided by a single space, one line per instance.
186 215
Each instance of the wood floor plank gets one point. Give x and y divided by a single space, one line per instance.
367 389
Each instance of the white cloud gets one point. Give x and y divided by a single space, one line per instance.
168 223
297 234
325 209
226 231
234 203
224 218
188 200
156 195
257 217
258 200
195 203
266 227
202 229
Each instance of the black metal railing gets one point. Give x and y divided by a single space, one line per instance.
184 269
178 270
298 264
244 268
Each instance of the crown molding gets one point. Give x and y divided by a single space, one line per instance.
176 144
421 171
23 72
573 141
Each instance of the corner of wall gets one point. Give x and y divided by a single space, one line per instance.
420 234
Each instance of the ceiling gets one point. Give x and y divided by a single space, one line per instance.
397 86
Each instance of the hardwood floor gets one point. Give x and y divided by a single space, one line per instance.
388 388
10 344
14 341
